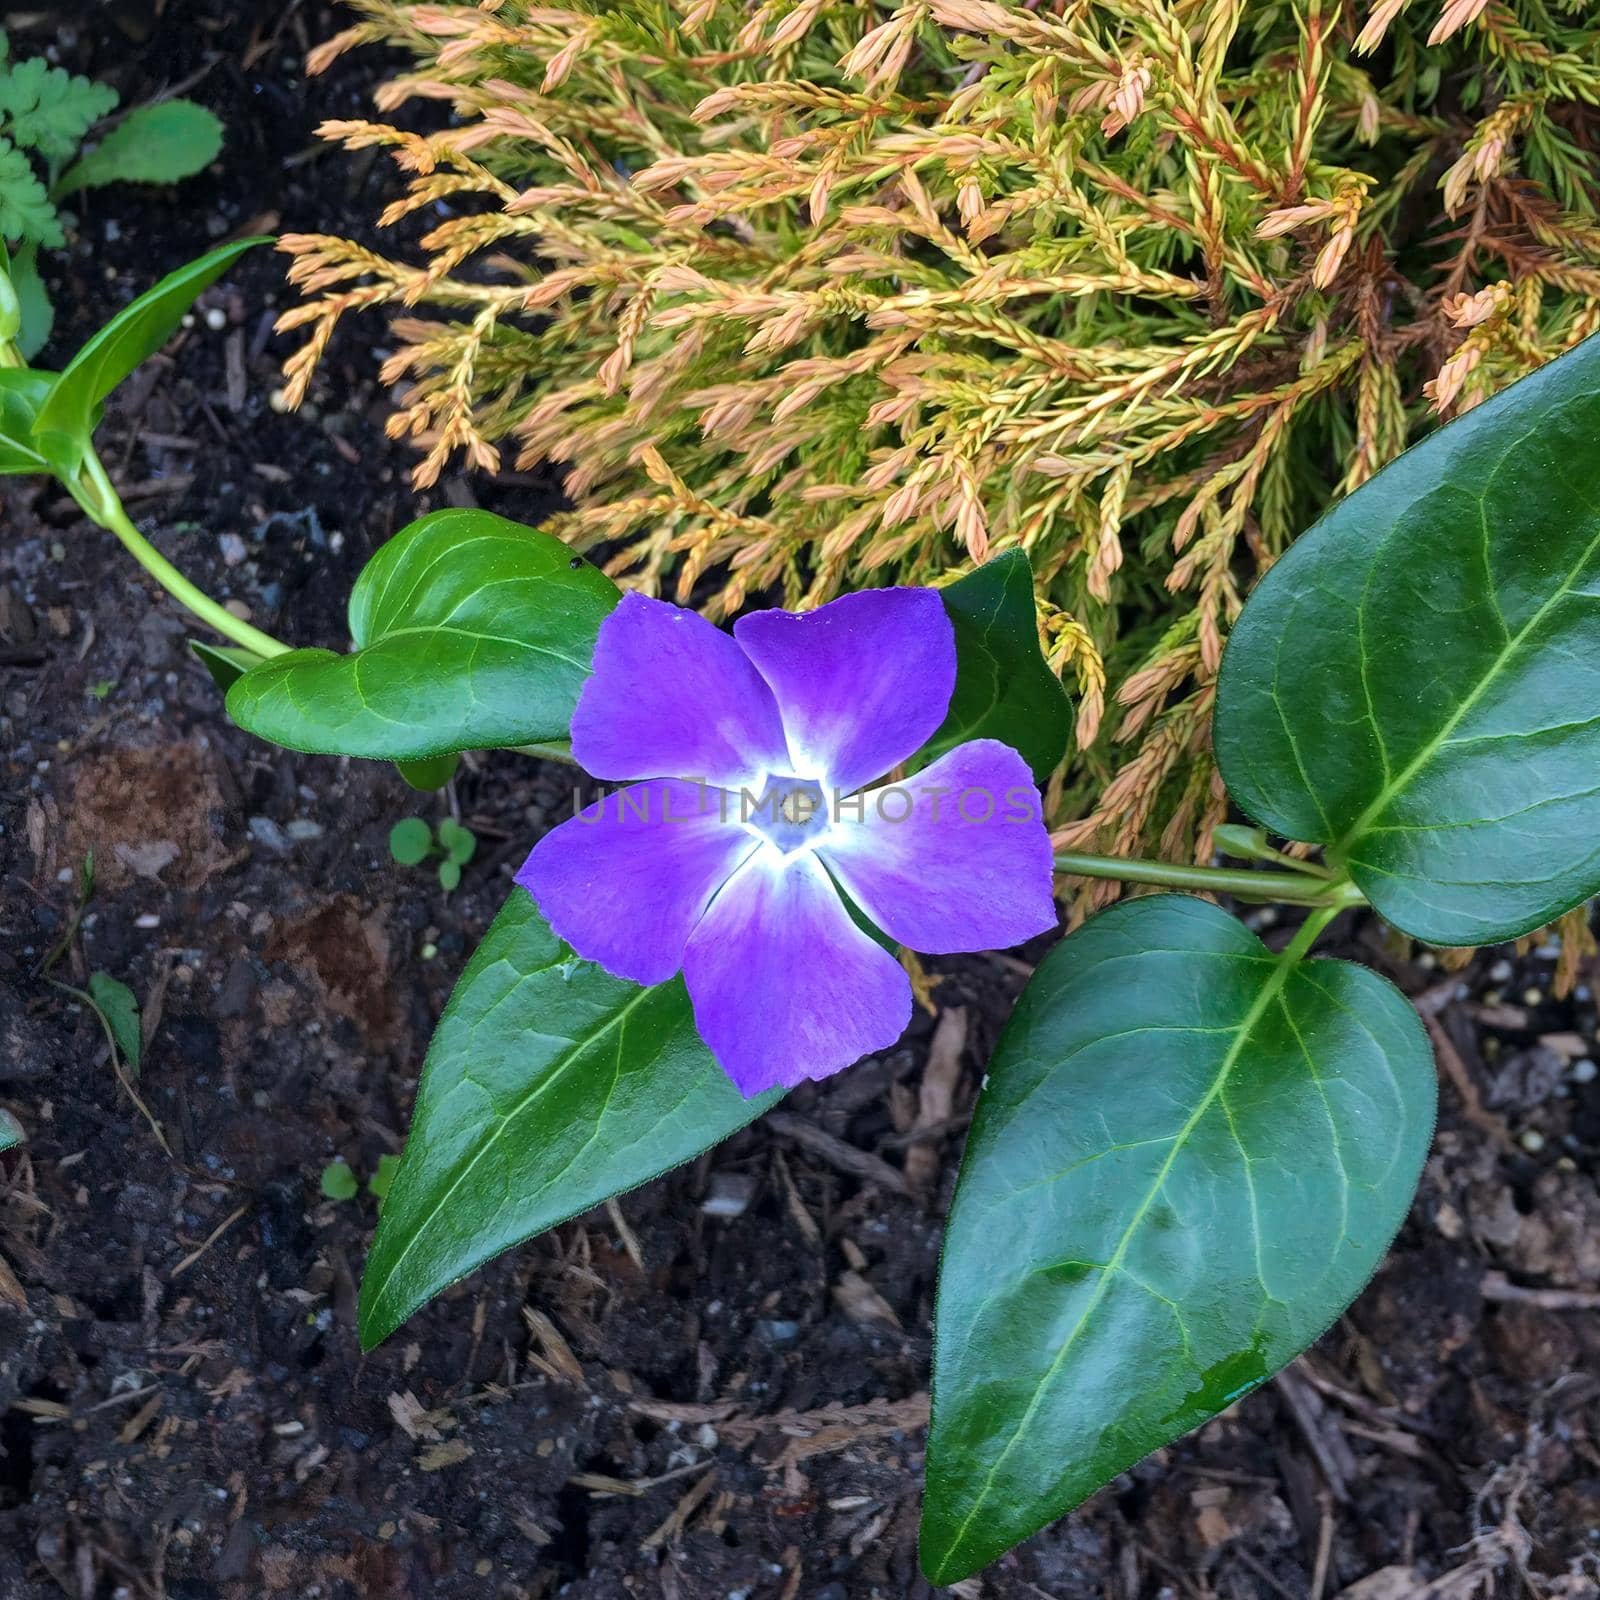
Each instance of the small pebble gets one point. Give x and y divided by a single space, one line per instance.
147 919
1532 997
1584 1071
232 548
729 1194
1500 972
429 951
303 828
216 319
269 835
278 401
1532 1141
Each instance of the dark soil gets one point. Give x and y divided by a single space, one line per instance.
660 1399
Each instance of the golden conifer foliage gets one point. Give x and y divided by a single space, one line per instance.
807 295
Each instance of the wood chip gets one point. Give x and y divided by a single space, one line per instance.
837 1153
140 1420
412 1417
860 1302
796 1207
936 1097
439 1456
11 1291
554 1356
1496 1286
678 1518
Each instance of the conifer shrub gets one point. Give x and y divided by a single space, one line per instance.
808 296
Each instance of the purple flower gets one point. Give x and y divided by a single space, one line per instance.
728 860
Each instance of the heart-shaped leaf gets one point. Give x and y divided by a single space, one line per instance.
1189 1156
1416 684
136 332
471 632
549 1086
1004 690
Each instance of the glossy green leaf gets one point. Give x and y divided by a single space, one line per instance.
117 1003
1188 1157
136 332
1416 684
226 663
153 144
1004 690
471 632
22 392
549 1086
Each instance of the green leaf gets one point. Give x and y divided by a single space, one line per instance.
410 841
226 663
1004 690
432 772
26 212
137 331
116 1003
379 1183
50 110
11 1134
1414 685
470 632
152 144
1188 1157
338 1181
33 301
458 843
449 875
549 1087
22 392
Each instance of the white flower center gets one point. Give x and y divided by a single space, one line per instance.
790 813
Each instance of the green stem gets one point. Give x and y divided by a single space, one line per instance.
94 492
1306 934
1295 888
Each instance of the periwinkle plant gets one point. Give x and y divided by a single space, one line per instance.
1190 1151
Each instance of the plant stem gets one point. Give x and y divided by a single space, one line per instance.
1296 888
99 499
1306 934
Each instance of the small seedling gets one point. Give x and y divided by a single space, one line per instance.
46 115
378 1183
338 1181
412 841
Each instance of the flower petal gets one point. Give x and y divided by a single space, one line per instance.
785 986
862 682
672 696
625 881
955 858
